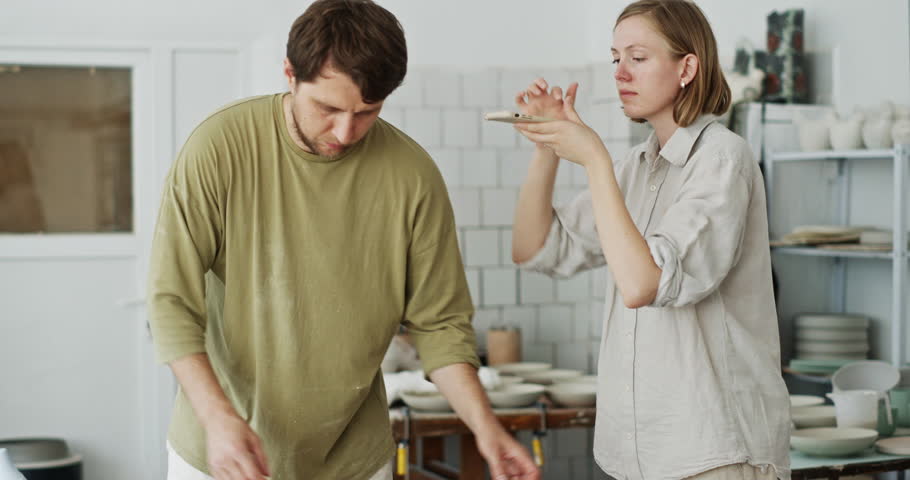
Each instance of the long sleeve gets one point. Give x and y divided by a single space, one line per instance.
698 240
572 244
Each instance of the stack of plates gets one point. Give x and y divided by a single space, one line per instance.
832 336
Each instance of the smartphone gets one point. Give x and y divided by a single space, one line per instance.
513 117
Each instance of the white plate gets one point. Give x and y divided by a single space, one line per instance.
823 334
507 380
866 375
514 396
817 416
831 347
805 401
427 401
548 377
573 394
832 442
831 320
521 367
894 445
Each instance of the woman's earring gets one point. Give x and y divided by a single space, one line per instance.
682 84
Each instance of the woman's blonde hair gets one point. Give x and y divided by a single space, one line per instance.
683 25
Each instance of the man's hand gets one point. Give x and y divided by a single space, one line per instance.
234 450
507 458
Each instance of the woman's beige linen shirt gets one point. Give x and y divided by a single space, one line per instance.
693 381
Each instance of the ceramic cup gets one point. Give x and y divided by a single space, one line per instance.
900 399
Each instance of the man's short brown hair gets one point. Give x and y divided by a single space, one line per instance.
355 37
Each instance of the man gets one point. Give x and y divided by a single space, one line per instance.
297 232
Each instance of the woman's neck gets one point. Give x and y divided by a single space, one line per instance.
664 125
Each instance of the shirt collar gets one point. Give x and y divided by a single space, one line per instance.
679 147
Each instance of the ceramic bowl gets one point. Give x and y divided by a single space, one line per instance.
832 347
507 380
825 335
590 379
426 401
831 321
832 441
520 368
846 357
866 375
573 394
817 416
894 445
846 135
515 396
548 377
797 401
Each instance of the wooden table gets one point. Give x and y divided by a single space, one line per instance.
429 429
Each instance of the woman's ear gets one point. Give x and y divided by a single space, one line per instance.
689 65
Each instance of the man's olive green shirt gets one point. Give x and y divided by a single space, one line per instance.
292 272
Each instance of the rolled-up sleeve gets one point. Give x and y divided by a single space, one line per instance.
698 240
187 238
572 244
439 308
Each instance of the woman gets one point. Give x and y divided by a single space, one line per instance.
689 366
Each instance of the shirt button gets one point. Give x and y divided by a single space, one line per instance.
628 388
629 334
629 436
653 188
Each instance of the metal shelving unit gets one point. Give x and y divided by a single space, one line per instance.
898 254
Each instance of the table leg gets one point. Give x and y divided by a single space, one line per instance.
472 464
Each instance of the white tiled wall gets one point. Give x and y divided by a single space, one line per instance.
484 164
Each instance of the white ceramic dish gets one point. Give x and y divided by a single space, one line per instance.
573 394
797 401
507 380
825 335
894 445
426 401
832 442
515 396
589 379
520 368
831 320
832 347
548 377
866 375
816 416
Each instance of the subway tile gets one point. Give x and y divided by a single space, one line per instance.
461 128
597 319
574 289
466 204
482 248
393 115
498 134
538 353
505 251
536 288
424 125
484 319
442 88
513 166
599 282
604 81
498 206
410 93
499 286
480 88
582 318
524 318
480 168
448 160
555 324
573 355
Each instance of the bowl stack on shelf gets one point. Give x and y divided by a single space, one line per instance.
832 337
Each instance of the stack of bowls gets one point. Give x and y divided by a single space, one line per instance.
832 336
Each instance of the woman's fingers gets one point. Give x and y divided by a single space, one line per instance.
521 98
556 93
